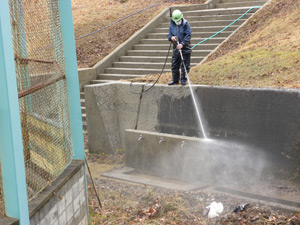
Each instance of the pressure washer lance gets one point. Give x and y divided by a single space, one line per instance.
182 61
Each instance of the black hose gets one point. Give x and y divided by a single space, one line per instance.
93 183
145 90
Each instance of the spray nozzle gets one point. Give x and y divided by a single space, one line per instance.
183 143
141 137
161 140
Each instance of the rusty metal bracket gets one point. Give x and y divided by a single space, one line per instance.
27 60
39 86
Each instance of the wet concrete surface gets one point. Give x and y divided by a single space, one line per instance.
274 192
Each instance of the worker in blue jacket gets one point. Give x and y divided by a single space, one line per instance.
180 35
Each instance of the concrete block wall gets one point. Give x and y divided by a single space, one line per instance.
67 206
266 118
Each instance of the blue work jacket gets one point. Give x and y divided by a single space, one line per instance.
183 34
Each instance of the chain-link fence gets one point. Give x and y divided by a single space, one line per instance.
2 206
40 69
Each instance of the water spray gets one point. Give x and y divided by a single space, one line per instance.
192 93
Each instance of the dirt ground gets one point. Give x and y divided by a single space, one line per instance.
128 203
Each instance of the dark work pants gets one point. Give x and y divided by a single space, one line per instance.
177 63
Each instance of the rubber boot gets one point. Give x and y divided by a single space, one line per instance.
172 83
185 64
175 76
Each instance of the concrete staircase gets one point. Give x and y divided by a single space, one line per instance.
83 112
148 56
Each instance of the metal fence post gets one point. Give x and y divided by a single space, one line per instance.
11 148
67 30
68 37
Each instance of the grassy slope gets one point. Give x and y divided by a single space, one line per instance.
267 57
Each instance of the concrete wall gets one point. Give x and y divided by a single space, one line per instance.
191 159
65 202
162 155
85 75
266 118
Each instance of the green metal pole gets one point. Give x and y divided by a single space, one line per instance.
11 148
67 30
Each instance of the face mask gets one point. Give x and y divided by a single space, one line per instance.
178 23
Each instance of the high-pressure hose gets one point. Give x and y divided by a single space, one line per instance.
145 90
143 86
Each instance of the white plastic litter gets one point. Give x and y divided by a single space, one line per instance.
215 209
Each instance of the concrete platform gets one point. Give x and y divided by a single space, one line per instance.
132 175
186 163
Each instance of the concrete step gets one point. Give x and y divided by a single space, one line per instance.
200 29
193 7
195 34
84 125
144 65
83 110
219 11
101 81
208 23
81 94
234 1
137 71
82 102
240 4
194 59
217 17
214 40
107 76
163 52
166 47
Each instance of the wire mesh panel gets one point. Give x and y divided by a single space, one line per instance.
2 206
40 69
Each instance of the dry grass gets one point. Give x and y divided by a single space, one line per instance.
265 53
